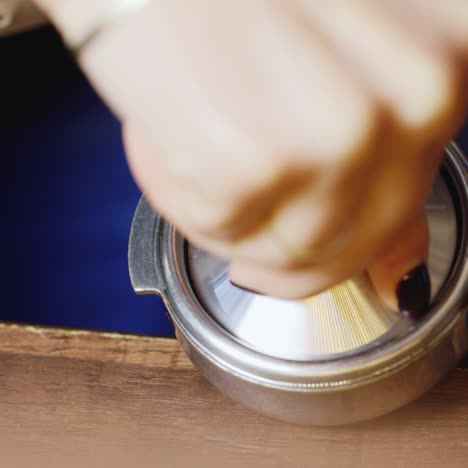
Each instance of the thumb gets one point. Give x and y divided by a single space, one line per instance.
401 277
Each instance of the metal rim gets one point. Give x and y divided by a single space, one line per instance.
218 346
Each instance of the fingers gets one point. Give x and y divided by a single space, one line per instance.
416 83
448 19
284 284
397 196
400 276
443 27
297 142
265 171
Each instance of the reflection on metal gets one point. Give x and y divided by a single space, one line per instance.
337 358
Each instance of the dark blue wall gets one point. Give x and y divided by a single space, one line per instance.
67 197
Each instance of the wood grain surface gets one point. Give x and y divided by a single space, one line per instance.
88 399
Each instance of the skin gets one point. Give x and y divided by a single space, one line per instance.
299 139
18 15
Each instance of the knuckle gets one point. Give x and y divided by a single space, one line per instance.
233 205
207 218
261 182
356 131
434 96
311 249
261 178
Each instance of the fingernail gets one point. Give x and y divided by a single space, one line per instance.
414 293
246 289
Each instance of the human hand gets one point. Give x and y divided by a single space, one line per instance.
299 139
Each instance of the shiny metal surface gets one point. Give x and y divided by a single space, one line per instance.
347 318
358 383
322 407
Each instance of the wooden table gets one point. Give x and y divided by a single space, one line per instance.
74 398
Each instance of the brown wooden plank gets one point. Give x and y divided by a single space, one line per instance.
85 399
91 346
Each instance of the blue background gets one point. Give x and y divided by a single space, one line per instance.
67 197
